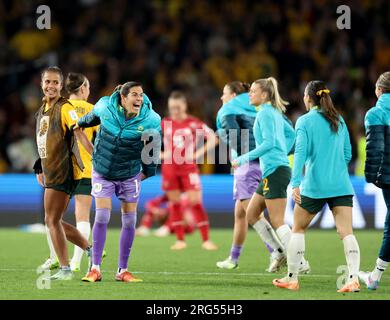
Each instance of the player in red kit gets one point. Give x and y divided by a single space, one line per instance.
182 134
156 212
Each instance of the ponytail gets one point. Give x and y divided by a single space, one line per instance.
270 85
238 87
118 88
319 94
74 82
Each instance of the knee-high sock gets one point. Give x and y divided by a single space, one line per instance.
176 216
129 220
53 255
284 234
85 229
352 255
268 235
235 252
202 221
295 253
99 232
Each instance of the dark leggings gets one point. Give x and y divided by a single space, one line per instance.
384 253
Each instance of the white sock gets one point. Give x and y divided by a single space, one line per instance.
53 255
295 253
352 255
380 267
96 267
268 235
284 234
121 270
85 229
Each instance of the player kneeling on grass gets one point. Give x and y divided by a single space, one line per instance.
377 168
157 212
323 147
129 133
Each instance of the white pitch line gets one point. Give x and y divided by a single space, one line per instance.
173 273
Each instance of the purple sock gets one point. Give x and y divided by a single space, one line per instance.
268 247
235 252
99 232
127 236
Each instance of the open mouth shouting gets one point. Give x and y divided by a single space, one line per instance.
136 107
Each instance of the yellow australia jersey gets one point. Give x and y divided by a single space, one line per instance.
82 108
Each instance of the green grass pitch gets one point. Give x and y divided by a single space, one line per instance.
189 274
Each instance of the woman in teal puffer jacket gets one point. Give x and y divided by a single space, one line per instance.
126 151
377 168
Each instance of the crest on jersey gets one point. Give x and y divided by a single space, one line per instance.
73 115
43 128
42 137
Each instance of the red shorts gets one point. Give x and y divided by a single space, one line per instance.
181 181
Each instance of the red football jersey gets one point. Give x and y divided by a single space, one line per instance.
181 140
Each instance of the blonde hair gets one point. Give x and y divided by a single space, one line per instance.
270 85
384 82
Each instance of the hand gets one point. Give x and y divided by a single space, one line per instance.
40 179
297 195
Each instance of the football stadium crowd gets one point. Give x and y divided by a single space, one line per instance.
195 46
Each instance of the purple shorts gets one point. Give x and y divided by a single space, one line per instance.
246 180
126 190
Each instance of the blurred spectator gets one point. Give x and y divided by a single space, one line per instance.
196 46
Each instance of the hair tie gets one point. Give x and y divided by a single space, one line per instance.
84 83
320 92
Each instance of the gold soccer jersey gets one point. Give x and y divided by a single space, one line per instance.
82 108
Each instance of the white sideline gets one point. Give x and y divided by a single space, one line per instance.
230 274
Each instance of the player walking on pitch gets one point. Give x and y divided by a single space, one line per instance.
59 167
121 160
377 169
235 122
179 168
274 140
323 148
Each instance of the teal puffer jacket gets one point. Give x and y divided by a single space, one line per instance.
123 148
